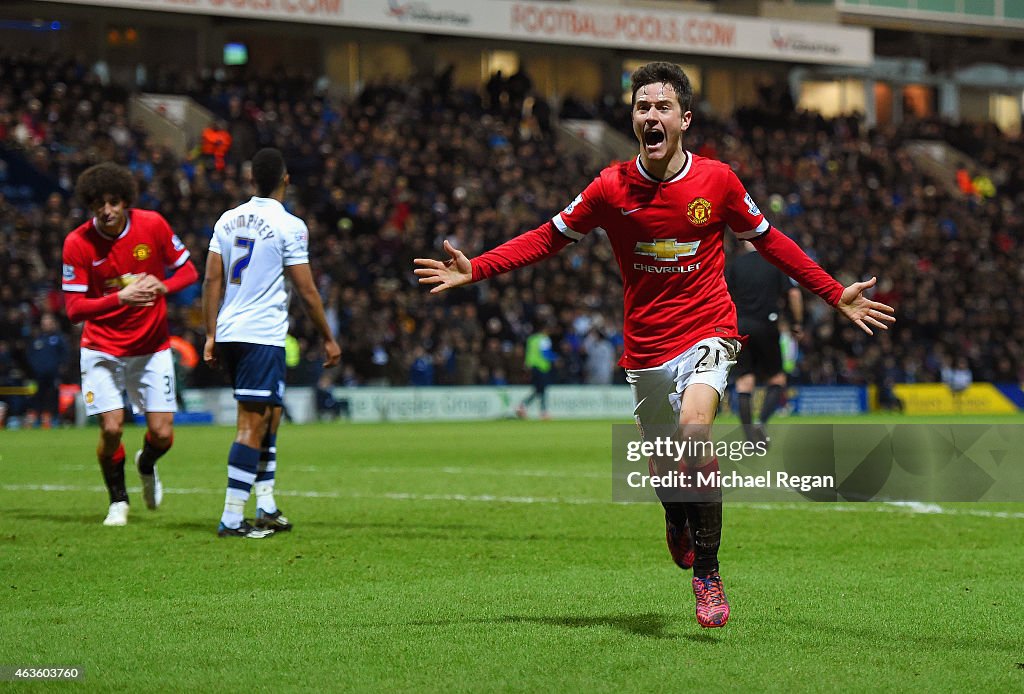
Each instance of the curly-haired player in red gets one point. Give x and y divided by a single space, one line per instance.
115 279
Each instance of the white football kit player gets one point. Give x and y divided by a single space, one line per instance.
256 240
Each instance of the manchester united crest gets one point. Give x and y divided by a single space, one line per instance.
698 212
142 251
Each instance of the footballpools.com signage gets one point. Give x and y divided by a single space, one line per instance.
558 23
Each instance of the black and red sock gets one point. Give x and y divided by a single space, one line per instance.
151 454
113 475
705 518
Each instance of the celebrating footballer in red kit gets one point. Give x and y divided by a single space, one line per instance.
115 279
665 214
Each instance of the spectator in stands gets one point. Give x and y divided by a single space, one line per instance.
216 142
497 90
421 370
600 356
47 356
983 186
519 86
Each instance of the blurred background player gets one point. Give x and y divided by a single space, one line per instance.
47 353
328 407
540 359
114 279
758 289
254 246
958 377
665 213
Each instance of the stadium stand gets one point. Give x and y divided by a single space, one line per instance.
386 176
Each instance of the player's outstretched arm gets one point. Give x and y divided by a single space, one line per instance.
454 272
782 252
862 310
517 252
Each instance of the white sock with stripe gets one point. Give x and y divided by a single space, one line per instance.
242 464
265 475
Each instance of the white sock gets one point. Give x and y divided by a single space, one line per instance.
234 508
265 497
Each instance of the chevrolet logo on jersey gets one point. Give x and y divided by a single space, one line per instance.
667 250
121 282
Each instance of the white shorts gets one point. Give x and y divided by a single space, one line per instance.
658 391
148 378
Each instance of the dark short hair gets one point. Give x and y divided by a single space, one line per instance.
267 170
101 180
667 73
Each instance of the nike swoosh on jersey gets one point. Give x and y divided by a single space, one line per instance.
626 212
99 262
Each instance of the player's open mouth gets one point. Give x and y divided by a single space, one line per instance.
653 138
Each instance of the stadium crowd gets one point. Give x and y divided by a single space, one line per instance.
386 176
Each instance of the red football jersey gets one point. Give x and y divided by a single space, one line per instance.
97 266
667 238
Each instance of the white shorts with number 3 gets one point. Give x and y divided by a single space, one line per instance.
658 391
148 379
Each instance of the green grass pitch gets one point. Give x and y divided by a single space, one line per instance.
483 557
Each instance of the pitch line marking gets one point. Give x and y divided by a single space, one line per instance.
906 508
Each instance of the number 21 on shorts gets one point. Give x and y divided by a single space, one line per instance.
710 357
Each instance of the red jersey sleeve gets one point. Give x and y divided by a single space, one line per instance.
75 271
176 257
75 282
81 309
783 253
583 214
528 247
183 277
741 212
570 225
174 251
747 222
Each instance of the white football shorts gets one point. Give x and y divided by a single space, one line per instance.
148 379
658 391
